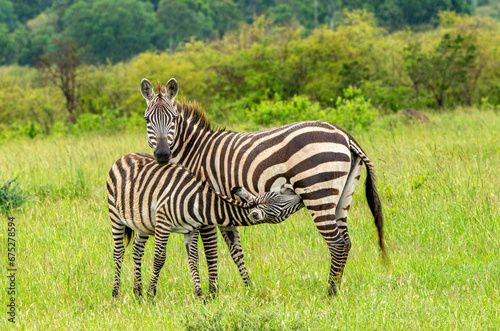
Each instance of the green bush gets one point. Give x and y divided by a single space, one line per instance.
11 196
30 130
352 111
111 120
279 112
87 123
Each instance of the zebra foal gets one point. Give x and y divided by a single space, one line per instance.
155 200
319 161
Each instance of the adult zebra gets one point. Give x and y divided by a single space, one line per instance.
155 200
320 161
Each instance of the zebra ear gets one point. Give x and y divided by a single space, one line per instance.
147 90
287 189
242 193
172 89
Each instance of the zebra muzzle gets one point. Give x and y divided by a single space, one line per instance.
162 152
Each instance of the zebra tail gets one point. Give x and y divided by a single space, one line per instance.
372 195
129 233
375 205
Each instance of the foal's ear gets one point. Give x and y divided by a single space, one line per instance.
287 189
147 90
242 193
172 89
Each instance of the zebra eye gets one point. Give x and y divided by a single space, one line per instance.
147 119
255 215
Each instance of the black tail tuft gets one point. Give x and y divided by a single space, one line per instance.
128 235
375 206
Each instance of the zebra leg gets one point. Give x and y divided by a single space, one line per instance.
161 237
209 238
321 201
137 253
336 245
191 241
232 239
118 230
344 204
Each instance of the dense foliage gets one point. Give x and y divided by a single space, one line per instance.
266 75
116 30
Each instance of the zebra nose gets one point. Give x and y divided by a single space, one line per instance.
162 151
163 156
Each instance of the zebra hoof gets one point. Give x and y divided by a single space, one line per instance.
115 293
213 293
332 290
138 292
151 300
151 296
248 283
198 291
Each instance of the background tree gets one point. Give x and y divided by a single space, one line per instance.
395 14
61 68
253 8
416 65
7 15
7 45
181 20
225 15
448 67
110 29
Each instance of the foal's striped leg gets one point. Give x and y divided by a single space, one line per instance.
118 231
209 238
191 242
161 238
232 239
137 253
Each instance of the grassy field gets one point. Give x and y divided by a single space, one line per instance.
440 187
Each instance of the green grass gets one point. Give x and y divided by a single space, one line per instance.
440 187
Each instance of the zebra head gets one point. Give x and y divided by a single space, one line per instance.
271 207
161 114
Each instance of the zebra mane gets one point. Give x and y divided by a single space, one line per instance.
161 90
192 111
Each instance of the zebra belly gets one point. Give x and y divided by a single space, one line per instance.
180 230
143 226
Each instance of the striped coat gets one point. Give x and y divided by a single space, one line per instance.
319 161
155 200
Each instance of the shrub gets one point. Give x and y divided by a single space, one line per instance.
352 111
279 112
111 120
11 196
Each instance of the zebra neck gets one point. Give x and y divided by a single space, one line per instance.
191 138
187 133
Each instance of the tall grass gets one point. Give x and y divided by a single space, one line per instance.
440 189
